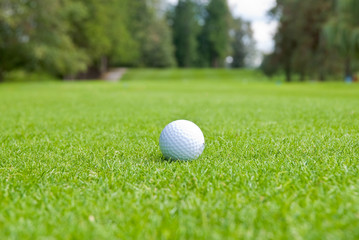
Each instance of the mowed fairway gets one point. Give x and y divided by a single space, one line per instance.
80 160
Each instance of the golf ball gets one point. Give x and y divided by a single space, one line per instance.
181 140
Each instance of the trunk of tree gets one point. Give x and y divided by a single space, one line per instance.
215 63
103 64
321 76
288 73
348 67
302 76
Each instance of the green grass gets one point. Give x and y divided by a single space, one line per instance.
81 160
198 74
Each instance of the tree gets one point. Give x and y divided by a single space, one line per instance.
299 45
285 39
242 43
270 64
125 49
103 34
215 34
81 38
157 49
152 34
342 32
185 31
35 36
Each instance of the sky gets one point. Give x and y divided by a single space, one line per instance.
255 12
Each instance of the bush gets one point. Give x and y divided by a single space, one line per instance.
21 75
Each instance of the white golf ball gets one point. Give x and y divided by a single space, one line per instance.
181 140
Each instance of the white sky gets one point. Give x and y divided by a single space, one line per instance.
255 11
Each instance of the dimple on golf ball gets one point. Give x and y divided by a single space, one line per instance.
181 140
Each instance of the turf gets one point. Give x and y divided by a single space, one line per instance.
80 160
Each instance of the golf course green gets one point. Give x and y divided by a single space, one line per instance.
81 160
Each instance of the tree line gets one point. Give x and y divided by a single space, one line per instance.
315 39
83 38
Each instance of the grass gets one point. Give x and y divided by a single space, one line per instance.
81 160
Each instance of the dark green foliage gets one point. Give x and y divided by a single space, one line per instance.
151 45
202 35
215 33
104 33
65 37
242 43
342 32
299 44
185 29
157 48
35 35
302 48
270 64
83 38
238 46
